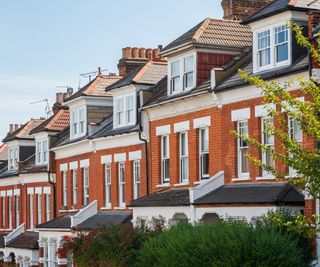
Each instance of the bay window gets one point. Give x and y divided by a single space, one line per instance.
122 192
108 185
125 114
78 123
75 187
136 179
183 157
165 156
243 149
204 152
267 140
85 186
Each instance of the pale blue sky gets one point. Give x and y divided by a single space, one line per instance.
45 44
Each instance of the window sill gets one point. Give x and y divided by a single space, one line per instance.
120 208
241 179
266 178
106 208
63 210
182 184
163 185
73 210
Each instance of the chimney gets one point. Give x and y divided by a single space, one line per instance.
60 98
240 9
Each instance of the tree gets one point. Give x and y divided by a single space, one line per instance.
304 160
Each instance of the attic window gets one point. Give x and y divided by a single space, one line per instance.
42 151
124 110
78 123
271 47
13 158
181 74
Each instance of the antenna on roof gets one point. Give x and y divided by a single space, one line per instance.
93 73
68 87
47 109
312 2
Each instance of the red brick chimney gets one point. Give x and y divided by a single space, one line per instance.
60 98
240 9
134 57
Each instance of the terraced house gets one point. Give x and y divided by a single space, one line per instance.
156 140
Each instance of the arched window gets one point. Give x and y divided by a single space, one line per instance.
179 218
210 218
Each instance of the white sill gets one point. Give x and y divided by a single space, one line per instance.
73 210
120 208
240 179
163 185
63 210
106 208
265 178
182 184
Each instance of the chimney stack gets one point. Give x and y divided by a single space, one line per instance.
240 9
60 98
13 128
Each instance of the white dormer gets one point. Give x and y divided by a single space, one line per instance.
182 73
42 148
13 158
78 122
124 110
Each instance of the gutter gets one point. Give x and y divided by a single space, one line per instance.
53 193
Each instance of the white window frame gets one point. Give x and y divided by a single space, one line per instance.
39 208
13 158
31 211
75 187
42 151
136 179
165 159
86 182
273 45
291 129
78 122
203 153
3 211
122 184
183 158
181 59
10 211
241 175
108 185
48 207
259 50
266 174
64 188
125 111
17 204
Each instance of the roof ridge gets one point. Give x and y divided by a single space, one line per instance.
201 29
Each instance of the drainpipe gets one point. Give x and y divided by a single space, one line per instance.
139 116
54 190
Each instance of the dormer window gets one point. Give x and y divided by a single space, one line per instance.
78 123
181 74
124 110
42 152
13 158
271 48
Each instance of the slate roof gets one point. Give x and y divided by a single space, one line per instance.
2 235
272 193
279 6
149 74
96 87
171 198
29 166
24 131
105 219
235 80
63 222
55 123
215 32
27 240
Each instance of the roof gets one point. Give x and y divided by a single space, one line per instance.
215 32
2 235
27 240
149 74
63 222
105 219
279 6
271 193
175 197
24 131
3 152
96 87
55 123
235 80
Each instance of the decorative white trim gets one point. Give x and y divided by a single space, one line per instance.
292 108
120 157
30 190
73 165
240 114
163 185
3 193
202 122
182 184
240 179
262 110
181 126
38 190
14 234
106 159
47 190
64 167
84 213
9 193
84 163
135 155
163 130
16 192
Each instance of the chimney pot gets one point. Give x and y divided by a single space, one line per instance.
142 52
135 52
127 52
59 98
149 53
156 53
11 128
16 127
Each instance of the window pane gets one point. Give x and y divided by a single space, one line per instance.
175 68
175 84
244 161
282 52
188 80
204 139
205 165
188 64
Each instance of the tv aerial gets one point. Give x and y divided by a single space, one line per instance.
89 75
47 109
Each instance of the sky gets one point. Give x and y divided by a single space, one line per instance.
46 44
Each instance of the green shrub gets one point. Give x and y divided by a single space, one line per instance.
224 244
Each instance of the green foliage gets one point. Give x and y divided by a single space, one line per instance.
304 160
224 244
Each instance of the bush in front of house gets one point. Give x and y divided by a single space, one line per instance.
225 244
